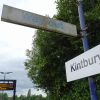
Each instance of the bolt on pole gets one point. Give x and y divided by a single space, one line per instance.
92 86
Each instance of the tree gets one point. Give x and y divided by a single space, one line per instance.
50 51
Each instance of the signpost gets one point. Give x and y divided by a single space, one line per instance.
33 20
8 85
84 65
79 67
92 86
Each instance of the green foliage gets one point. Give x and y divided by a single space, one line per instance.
3 96
67 11
50 51
48 57
32 97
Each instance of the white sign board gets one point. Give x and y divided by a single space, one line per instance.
21 17
84 65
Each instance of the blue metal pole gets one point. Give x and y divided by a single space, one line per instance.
86 47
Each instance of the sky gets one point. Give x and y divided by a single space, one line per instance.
16 39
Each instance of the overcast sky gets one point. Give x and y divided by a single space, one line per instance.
15 39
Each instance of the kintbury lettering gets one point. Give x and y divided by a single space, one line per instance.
85 63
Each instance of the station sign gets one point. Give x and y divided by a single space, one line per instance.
84 65
25 18
6 86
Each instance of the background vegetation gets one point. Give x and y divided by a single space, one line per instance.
50 51
4 96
